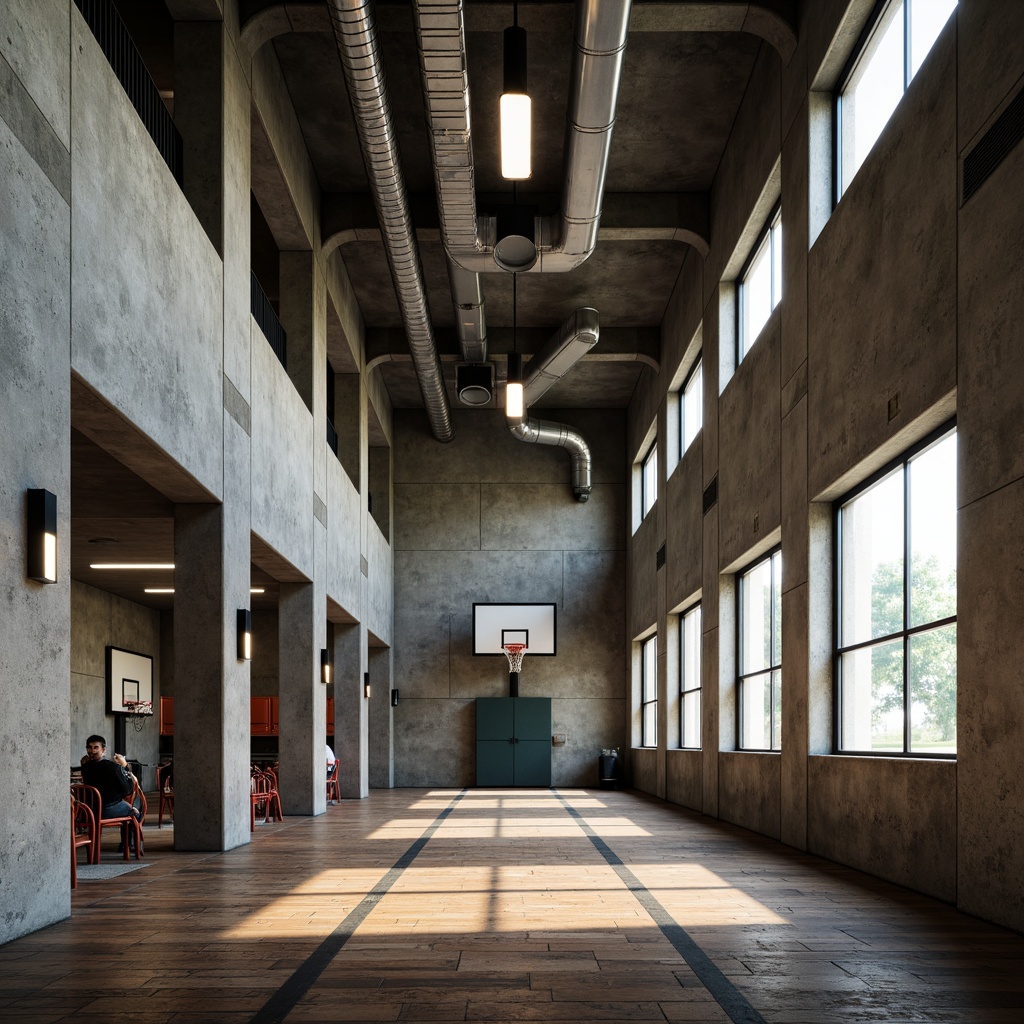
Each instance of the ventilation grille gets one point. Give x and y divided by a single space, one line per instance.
993 148
710 495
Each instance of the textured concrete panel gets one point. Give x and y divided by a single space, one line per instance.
684 541
589 726
749 499
882 274
891 817
536 517
343 578
749 787
379 608
643 580
435 517
684 778
422 659
146 289
795 215
795 699
990 375
35 44
794 497
435 743
643 769
990 725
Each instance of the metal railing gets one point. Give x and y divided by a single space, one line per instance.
263 313
106 25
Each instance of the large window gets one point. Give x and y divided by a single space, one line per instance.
760 655
691 406
897 42
760 284
896 604
689 677
649 693
649 481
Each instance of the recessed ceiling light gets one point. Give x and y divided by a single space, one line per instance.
158 590
132 565
256 590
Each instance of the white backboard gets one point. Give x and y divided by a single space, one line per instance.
497 624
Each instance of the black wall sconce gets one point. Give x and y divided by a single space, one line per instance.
366 684
244 634
326 668
41 519
394 698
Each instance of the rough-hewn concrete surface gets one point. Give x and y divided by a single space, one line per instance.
684 779
750 793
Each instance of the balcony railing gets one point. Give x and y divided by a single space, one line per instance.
106 25
263 313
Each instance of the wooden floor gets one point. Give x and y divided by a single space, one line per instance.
506 905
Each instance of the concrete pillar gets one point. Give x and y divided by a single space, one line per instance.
302 700
211 683
381 733
350 711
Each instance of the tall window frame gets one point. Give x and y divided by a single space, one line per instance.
759 678
898 37
760 285
649 692
691 405
690 689
649 480
920 643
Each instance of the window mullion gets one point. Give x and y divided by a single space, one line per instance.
906 596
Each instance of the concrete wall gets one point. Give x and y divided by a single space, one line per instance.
489 518
899 309
99 619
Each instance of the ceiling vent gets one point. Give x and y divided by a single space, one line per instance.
993 148
475 384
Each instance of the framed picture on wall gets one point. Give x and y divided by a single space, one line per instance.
129 680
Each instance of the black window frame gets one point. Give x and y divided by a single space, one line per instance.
902 460
774 216
770 670
683 688
644 702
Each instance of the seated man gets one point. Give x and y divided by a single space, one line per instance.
113 779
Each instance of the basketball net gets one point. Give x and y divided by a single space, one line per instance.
139 710
514 653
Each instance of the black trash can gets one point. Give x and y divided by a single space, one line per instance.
608 770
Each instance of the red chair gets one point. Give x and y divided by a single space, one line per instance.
333 788
83 833
264 798
165 787
90 796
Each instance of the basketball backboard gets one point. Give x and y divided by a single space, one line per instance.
497 624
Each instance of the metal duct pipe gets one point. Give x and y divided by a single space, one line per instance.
543 432
564 242
356 36
567 346
470 315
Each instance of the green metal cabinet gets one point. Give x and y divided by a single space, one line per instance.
513 741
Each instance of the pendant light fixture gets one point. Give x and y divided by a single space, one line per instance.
514 106
514 384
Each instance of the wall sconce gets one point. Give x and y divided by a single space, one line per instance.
366 685
394 698
41 519
244 634
325 666
514 105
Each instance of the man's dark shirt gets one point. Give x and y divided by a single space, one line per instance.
109 778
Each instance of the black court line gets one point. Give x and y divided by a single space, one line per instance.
283 1001
725 993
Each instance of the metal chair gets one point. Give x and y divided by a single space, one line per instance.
83 833
165 788
333 788
90 796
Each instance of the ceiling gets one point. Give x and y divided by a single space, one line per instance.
683 79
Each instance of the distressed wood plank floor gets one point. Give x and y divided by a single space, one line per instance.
513 909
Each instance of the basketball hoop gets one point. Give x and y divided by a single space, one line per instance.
138 710
514 653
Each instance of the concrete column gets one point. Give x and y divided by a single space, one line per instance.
381 733
350 712
299 318
302 701
211 683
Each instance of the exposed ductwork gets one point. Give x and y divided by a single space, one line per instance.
568 345
563 242
573 340
543 432
356 36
